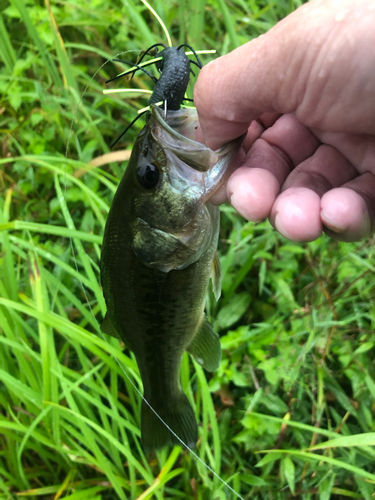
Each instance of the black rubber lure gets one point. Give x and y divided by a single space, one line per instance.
174 68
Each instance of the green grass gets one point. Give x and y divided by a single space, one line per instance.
291 409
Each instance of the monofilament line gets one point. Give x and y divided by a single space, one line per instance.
71 132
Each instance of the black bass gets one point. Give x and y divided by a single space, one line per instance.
158 255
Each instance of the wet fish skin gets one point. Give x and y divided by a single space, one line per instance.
158 249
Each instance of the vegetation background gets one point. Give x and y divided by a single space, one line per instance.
290 411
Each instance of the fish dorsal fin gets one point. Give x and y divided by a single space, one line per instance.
205 347
216 276
108 328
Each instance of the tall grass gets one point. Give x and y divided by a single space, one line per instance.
290 410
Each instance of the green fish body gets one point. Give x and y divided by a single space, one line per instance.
157 259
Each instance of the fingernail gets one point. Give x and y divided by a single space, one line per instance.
362 228
233 201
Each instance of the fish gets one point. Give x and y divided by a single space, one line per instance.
159 253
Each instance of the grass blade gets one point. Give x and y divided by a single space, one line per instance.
43 52
7 53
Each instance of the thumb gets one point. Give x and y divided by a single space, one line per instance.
237 88
284 71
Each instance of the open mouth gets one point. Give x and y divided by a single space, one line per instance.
195 166
176 133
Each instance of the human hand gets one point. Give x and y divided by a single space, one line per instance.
306 93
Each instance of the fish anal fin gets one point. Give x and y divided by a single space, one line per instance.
177 414
205 347
108 328
216 276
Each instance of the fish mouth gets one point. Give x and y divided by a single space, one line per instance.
173 132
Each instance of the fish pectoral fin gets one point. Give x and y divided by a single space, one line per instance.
205 347
216 276
108 328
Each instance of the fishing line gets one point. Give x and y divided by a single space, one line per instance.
71 132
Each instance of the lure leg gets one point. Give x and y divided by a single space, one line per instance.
127 128
193 51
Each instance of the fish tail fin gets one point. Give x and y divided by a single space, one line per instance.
178 415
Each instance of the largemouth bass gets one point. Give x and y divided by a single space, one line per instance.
158 255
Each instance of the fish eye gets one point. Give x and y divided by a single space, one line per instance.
148 175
